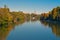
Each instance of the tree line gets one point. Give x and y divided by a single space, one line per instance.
6 16
53 15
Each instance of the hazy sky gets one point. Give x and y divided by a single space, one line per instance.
40 6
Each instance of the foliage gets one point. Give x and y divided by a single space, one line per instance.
53 15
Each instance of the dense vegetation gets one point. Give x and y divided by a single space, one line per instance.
53 15
7 17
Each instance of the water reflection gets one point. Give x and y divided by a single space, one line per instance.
6 29
54 26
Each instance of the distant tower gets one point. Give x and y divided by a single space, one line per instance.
5 6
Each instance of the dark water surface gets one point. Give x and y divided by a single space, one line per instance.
32 30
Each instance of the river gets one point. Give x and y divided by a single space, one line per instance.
31 30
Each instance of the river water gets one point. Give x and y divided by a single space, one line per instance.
31 30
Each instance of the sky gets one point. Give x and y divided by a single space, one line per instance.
30 6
